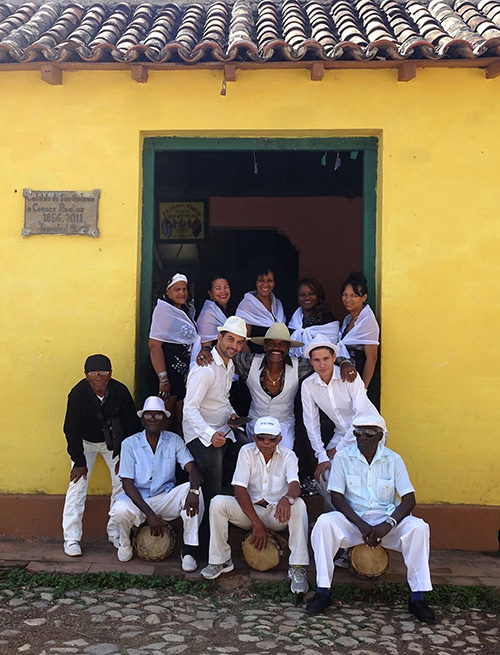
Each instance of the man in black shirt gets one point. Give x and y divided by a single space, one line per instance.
100 414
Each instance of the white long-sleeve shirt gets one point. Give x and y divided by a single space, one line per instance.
340 401
206 407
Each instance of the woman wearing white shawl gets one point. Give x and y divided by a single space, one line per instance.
213 314
312 317
260 308
171 338
359 334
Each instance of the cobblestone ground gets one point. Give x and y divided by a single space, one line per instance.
146 622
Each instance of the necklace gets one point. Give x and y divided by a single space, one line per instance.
274 382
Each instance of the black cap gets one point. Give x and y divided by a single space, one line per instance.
97 363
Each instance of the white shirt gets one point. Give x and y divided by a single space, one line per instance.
340 401
265 480
370 489
153 472
206 407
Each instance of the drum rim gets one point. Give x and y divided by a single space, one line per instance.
369 575
273 538
137 547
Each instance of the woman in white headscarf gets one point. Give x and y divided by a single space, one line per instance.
260 309
171 338
359 334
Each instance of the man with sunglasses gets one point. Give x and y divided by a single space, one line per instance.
266 497
100 413
373 498
147 471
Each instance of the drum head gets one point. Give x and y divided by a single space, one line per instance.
369 562
154 548
262 560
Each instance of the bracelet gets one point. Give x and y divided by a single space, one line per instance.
207 348
391 520
164 381
163 374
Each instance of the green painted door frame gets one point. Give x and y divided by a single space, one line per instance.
152 145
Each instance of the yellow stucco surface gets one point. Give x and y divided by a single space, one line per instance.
438 253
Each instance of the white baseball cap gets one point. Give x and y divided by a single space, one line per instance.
153 404
267 425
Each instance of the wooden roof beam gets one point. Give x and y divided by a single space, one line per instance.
317 71
139 73
230 72
493 70
51 74
407 71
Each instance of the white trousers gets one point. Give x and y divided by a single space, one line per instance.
74 504
168 506
322 487
226 509
410 537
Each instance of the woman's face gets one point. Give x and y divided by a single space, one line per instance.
308 299
178 294
352 302
265 284
220 292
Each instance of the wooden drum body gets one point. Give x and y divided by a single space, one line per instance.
369 562
263 560
154 548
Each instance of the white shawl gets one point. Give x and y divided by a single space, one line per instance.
254 313
211 316
306 335
171 325
365 331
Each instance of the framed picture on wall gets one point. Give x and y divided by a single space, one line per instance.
183 221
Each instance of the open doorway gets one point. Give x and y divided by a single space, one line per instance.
309 203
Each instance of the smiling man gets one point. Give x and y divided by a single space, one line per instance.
266 490
147 472
100 413
373 498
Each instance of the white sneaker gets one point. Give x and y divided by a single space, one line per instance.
342 559
72 548
298 580
189 563
125 553
213 571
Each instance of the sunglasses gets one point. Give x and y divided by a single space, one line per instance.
94 374
157 415
263 437
367 432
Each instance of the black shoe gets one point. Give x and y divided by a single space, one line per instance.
318 603
421 611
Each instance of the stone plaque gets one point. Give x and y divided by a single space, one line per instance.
61 212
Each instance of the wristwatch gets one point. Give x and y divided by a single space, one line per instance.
196 492
391 520
290 499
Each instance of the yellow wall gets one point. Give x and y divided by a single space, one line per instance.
438 247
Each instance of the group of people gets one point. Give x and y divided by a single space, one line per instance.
243 470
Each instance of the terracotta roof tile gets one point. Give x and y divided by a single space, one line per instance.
267 31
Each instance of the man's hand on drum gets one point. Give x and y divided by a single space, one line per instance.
192 505
259 536
375 534
283 510
218 439
156 527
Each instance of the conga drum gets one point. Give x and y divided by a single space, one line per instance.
269 557
154 548
369 562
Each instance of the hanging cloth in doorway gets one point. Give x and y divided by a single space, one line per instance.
365 331
306 335
254 313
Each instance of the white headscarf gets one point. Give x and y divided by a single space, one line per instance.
254 313
172 325
306 335
365 331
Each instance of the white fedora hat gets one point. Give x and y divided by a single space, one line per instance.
153 404
235 325
278 331
320 341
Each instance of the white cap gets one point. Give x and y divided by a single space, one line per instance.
235 325
320 341
153 404
369 417
267 425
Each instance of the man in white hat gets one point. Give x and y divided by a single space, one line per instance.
147 471
273 378
373 498
207 410
266 490
338 399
